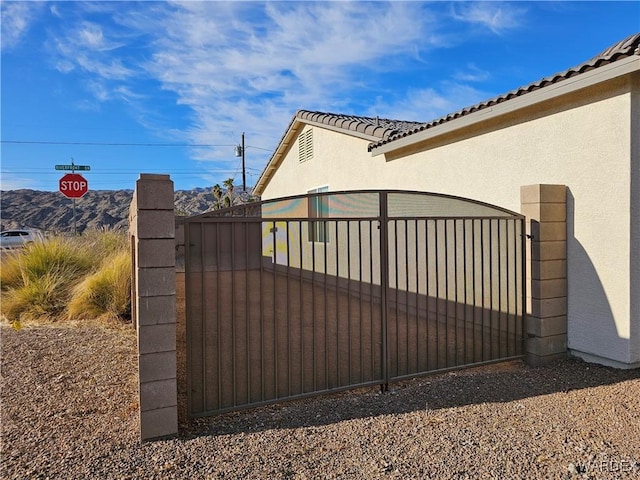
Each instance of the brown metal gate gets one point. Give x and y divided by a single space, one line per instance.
298 296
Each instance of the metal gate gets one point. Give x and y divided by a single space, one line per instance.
303 295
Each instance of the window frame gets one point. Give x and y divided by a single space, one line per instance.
318 207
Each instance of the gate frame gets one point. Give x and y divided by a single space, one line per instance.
544 206
238 213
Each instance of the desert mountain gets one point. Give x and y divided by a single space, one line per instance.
53 212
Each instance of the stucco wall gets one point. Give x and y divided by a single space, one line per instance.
582 140
635 218
338 159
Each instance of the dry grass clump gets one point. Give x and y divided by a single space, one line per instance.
105 242
38 297
36 281
62 278
56 256
106 292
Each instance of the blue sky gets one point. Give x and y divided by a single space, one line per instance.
169 87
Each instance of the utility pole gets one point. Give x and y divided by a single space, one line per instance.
244 177
240 152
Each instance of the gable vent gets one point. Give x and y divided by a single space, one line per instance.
305 145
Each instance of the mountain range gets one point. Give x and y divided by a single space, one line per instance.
52 212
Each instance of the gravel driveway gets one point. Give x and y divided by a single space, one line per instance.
69 410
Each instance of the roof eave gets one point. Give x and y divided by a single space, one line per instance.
568 85
299 118
353 133
276 158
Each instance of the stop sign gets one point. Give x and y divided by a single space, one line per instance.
73 185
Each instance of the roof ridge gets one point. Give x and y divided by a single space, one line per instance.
374 126
628 45
621 49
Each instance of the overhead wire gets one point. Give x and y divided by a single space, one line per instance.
183 173
133 144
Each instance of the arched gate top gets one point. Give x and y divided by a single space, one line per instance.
365 204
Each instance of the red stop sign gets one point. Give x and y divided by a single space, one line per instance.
73 185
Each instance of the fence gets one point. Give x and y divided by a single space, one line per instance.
328 291
152 225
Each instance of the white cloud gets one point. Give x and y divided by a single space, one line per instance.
110 69
64 66
10 181
248 66
54 11
425 105
91 36
309 47
87 105
472 74
496 16
86 48
16 20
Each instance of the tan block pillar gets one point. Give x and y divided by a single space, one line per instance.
545 207
152 228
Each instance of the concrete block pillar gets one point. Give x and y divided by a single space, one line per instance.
152 228
545 208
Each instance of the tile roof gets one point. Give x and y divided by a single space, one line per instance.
381 131
376 127
369 128
623 49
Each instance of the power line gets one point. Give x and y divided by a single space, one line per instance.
116 144
130 172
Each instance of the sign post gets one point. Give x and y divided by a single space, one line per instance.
73 185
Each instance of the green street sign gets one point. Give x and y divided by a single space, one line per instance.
73 167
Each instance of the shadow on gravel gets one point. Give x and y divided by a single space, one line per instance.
504 382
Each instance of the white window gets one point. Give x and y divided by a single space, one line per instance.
318 208
305 145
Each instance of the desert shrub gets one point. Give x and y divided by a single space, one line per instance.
104 242
44 296
11 269
106 292
37 280
45 279
56 255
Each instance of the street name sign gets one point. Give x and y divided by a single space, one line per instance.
73 167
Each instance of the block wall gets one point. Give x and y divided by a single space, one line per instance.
152 230
545 207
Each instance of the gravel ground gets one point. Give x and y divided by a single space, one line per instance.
69 410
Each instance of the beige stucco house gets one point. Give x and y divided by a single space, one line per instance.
579 128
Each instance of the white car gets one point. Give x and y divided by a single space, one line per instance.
19 238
